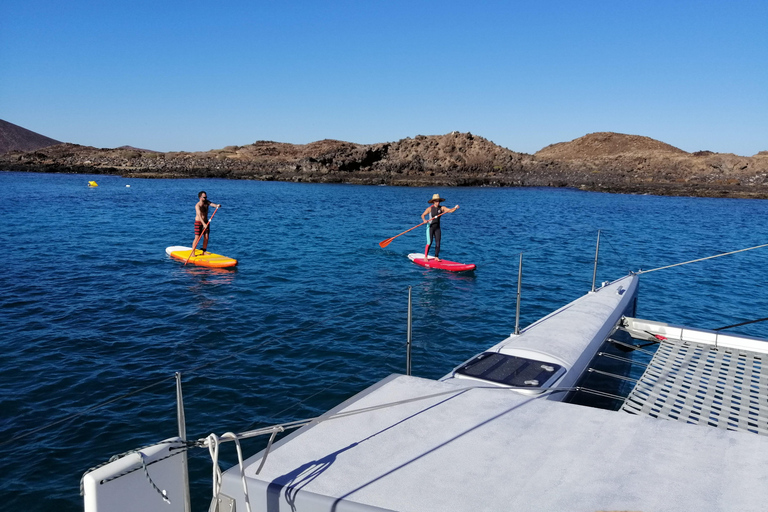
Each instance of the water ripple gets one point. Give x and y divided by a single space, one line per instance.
94 310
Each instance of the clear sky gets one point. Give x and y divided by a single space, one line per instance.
196 75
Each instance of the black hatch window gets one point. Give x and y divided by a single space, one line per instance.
510 370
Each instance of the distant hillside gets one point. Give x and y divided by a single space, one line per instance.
16 138
606 144
604 162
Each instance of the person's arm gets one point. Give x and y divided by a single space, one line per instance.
423 214
450 209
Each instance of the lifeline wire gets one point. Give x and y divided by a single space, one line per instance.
700 259
296 404
212 441
161 381
742 323
89 409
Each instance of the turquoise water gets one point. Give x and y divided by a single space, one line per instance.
93 310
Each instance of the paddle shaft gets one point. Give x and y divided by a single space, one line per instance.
198 237
388 240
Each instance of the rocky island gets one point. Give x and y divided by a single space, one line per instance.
605 162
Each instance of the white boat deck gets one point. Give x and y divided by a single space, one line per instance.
494 449
475 446
462 444
570 336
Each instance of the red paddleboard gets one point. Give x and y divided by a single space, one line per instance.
451 266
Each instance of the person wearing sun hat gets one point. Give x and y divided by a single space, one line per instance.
433 226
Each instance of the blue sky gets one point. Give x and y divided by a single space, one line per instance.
194 75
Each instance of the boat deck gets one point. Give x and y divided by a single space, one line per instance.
519 452
704 378
469 442
420 443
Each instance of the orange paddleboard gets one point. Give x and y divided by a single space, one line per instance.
208 259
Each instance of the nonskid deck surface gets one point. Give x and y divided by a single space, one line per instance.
488 448
721 382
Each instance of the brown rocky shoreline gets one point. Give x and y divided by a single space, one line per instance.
604 162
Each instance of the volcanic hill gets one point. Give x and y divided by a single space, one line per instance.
16 138
605 161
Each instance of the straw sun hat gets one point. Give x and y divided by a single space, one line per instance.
436 197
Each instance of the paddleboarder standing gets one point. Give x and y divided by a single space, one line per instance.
201 218
433 226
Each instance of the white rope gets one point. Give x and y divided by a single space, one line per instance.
269 445
701 259
213 442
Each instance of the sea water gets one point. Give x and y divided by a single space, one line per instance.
96 319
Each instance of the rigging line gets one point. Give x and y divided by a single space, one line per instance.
300 402
296 404
614 375
618 253
622 359
343 414
634 347
742 323
558 280
283 337
540 247
272 430
700 259
89 409
600 393
161 381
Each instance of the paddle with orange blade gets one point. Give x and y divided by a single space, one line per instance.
198 237
386 242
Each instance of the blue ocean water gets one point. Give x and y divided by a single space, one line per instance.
96 318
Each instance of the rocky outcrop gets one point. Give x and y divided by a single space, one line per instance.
608 162
635 164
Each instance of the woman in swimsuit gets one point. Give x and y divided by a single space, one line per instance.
433 227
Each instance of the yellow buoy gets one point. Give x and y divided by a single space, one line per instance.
93 184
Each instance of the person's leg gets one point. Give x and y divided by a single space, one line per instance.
198 230
429 242
436 236
205 240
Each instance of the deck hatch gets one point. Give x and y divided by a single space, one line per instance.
510 370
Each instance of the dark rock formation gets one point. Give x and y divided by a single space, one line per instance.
608 162
633 164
